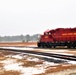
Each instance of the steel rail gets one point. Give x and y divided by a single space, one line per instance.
61 56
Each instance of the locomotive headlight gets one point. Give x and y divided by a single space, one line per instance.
46 36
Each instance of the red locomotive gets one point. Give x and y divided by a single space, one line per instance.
58 37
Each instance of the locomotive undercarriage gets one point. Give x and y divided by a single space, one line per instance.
68 44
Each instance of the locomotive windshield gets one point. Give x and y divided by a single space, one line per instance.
47 33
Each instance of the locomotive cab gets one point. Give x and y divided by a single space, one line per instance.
45 39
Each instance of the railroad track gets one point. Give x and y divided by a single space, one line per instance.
55 55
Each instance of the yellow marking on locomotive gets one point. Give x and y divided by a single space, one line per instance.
68 34
64 34
74 33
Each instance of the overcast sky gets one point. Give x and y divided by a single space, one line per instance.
35 16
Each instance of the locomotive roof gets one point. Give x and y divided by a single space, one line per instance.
60 29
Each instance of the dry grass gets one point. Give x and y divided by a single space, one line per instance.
18 43
60 68
26 63
2 57
3 72
71 52
3 53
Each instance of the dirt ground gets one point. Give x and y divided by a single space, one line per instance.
20 64
20 44
12 63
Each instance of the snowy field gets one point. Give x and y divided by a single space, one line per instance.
15 63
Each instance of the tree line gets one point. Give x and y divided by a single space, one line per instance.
20 38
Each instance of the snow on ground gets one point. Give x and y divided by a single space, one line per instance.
30 64
72 62
18 48
24 70
11 63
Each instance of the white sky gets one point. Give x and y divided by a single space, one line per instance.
35 16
